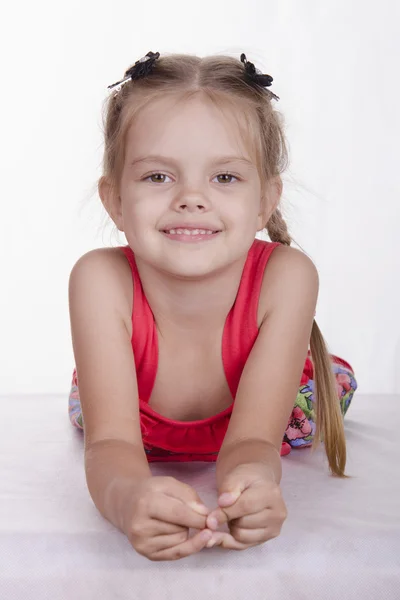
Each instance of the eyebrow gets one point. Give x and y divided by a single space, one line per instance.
218 160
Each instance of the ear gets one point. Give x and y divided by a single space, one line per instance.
111 201
269 202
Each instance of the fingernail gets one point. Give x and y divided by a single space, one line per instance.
199 508
213 523
205 535
211 543
229 497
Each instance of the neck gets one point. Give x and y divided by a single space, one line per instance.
198 306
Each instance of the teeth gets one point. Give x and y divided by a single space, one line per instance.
190 231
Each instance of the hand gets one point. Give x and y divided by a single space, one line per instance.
157 517
255 512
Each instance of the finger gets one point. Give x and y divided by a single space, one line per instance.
152 528
157 527
162 542
254 521
253 536
251 501
183 549
177 512
227 541
184 492
237 511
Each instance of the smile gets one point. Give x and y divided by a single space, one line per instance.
190 235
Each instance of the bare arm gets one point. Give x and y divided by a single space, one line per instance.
271 377
115 460
113 470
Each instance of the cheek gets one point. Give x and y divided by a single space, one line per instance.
246 213
142 215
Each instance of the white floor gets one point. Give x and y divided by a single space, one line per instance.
341 537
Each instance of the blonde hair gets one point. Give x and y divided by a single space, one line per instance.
221 79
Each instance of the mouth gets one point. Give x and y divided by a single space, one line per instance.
190 235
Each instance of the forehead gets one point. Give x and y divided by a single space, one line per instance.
177 121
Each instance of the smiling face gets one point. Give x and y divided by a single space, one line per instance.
187 167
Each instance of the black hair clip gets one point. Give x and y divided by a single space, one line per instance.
256 75
141 68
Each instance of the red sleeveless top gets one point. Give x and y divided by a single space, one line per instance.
169 440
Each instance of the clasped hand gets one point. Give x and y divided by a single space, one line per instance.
251 503
157 513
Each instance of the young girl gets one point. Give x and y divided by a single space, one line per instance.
191 342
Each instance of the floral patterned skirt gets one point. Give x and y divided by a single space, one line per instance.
301 427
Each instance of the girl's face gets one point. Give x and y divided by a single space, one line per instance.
186 167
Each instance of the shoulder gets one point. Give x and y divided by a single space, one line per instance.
106 271
107 257
290 276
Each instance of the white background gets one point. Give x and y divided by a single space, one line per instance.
335 68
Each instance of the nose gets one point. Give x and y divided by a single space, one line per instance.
192 203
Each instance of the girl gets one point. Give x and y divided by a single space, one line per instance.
192 341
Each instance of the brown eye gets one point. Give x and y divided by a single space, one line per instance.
155 178
226 175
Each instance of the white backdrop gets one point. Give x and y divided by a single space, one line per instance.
334 66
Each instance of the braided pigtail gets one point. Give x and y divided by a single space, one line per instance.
329 420
277 229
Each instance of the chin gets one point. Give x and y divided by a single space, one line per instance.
189 270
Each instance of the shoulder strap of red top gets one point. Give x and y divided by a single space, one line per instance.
241 328
144 334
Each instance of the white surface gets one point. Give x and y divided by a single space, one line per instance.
341 538
334 66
